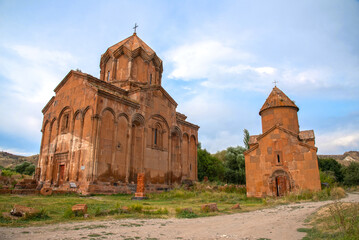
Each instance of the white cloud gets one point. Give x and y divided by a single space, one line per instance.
29 74
220 65
42 56
222 140
202 59
338 141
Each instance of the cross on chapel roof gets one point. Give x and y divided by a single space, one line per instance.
136 26
275 83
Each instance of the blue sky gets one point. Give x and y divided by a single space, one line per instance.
220 59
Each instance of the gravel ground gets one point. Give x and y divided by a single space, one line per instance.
279 222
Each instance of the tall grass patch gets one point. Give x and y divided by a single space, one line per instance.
339 220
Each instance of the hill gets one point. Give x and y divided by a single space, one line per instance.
11 160
345 159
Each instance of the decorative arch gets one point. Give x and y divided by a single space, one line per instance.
53 122
106 144
192 157
176 130
44 125
65 109
78 111
194 138
176 157
162 119
110 110
157 135
185 155
124 115
65 119
88 108
137 117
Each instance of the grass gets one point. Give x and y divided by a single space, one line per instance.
338 220
57 208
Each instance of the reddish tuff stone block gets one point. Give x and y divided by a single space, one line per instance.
79 208
210 207
21 211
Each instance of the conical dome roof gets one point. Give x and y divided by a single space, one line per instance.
277 99
132 43
132 46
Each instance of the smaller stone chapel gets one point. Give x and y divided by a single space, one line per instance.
98 134
281 159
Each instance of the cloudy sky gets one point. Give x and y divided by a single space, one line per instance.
220 61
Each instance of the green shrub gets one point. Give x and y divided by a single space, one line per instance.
25 168
331 165
185 213
160 211
8 172
209 166
41 215
351 174
327 177
68 213
136 208
100 212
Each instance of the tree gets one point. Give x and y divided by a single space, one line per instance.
209 166
351 174
221 155
246 137
29 170
331 165
25 168
235 165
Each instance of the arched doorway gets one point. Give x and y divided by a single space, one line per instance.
280 183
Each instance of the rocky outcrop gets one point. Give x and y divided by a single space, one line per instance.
345 159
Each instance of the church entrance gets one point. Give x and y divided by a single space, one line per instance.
281 185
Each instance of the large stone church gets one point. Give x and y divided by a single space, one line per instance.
282 158
98 134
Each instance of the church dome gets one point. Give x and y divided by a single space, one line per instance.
131 61
277 99
132 46
132 43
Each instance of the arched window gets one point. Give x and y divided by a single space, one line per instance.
157 136
156 130
65 125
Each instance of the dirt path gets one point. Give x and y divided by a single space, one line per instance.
280 222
